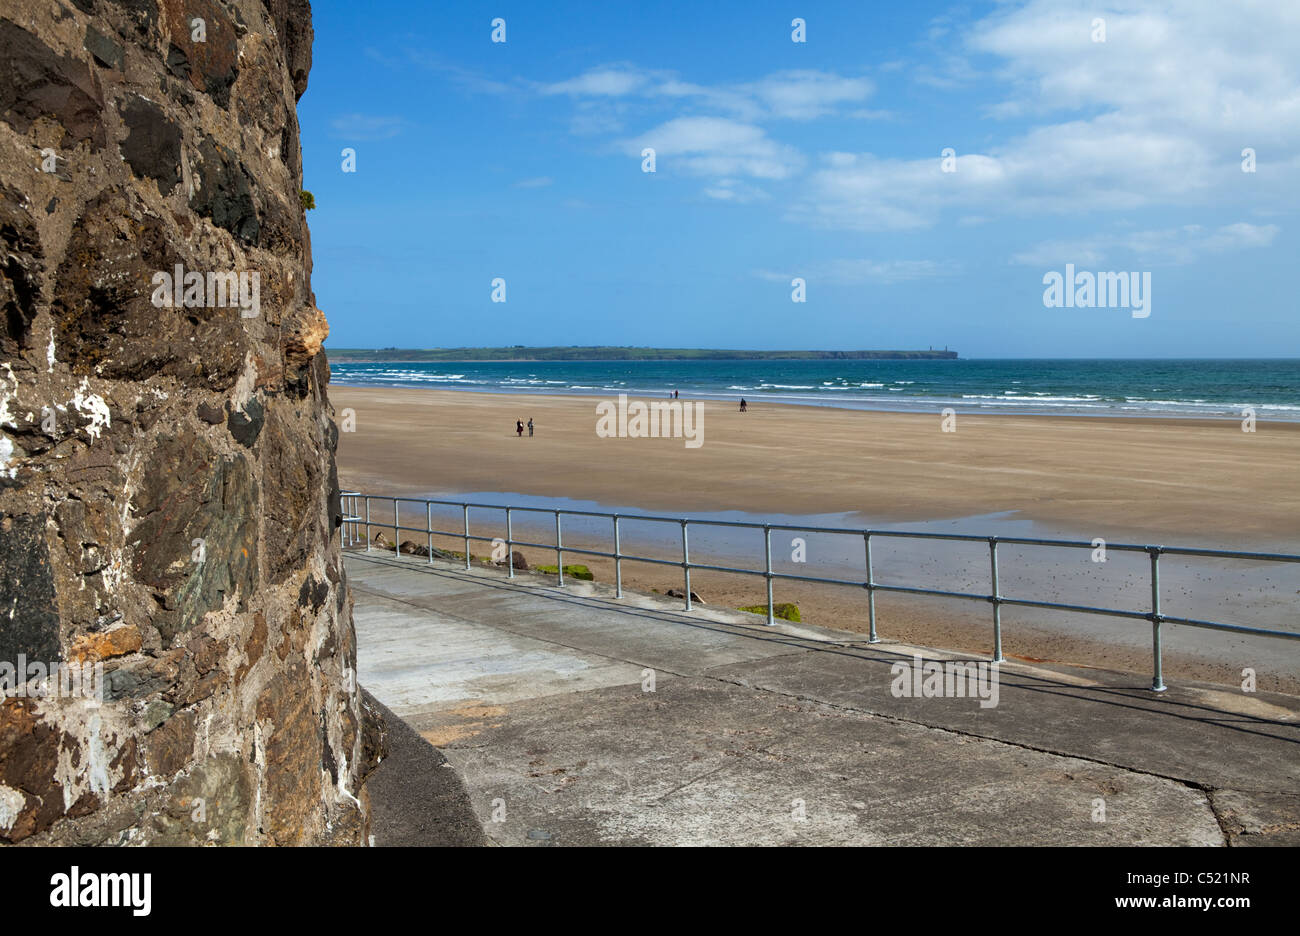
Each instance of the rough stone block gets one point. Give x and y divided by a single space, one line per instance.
29 622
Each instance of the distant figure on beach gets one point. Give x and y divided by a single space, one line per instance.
743 405
530 427
519 427
674 394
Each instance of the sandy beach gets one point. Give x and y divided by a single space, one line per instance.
1173 481
1199 480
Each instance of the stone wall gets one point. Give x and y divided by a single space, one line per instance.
168 501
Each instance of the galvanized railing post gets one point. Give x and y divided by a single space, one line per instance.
559 551
618 562
996 598
510 548
686 565
466 507
353 503
871 595
767 565
1157 676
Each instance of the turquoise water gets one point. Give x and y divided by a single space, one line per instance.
1088 387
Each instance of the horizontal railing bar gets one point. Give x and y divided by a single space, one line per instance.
908 590
714 568
842 531
904 589
1227 554
596 552
1163 550
1081 609
667 562
358 519
811 578
550 546
1003 599
1232 628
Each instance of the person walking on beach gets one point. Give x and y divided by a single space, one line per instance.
530 427
743 405
519 428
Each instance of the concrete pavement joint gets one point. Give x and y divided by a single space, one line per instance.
801 651
744 684
808 699
837 676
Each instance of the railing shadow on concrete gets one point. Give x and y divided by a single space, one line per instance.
357 515
1187 708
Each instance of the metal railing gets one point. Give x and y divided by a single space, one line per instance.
357 514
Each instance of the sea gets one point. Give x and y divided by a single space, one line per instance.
1270 388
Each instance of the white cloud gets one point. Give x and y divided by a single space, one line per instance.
734 190
805 95
466 78
367 126
955 73
786 95
1178 245
1156 115
600 82
715 146
597 118
1198 65
863 192
1241 236
857 272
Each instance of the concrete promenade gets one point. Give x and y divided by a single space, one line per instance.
539 699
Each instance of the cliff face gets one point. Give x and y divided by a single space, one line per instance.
167 477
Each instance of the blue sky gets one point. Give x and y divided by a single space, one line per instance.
821 160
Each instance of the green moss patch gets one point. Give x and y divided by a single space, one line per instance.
572 571
786 611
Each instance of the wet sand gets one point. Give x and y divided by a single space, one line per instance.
1204 481
1176 481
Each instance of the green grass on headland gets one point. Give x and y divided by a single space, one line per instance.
615 353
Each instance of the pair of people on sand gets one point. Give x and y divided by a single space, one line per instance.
519 428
